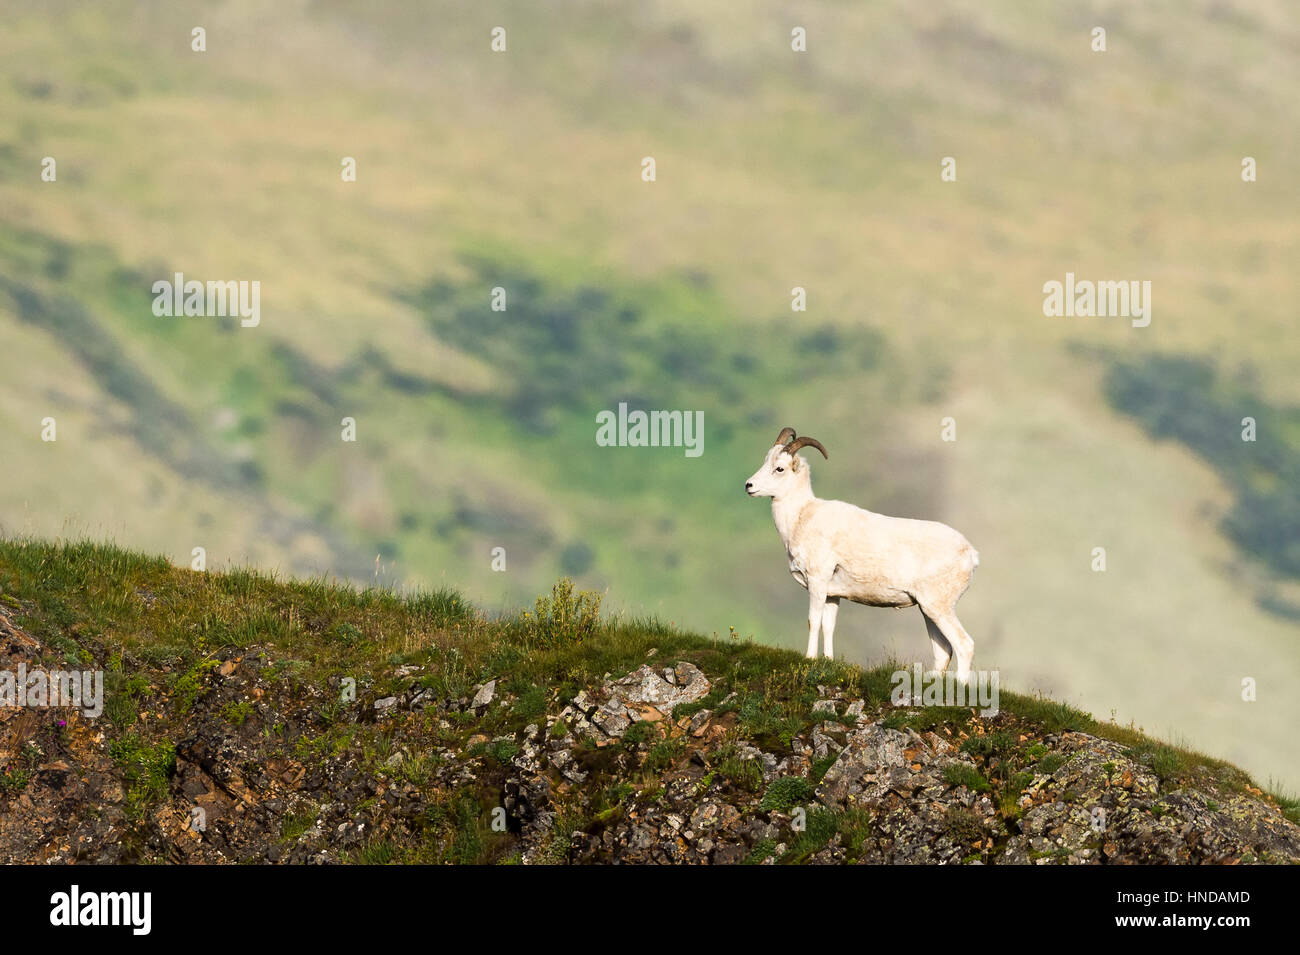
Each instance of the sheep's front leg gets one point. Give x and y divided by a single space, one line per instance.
816 606
828 626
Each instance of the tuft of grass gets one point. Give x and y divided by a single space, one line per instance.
785 793
663 755
237 713
1050 763
531 704
1169 763
294 824
763 850
991 744
744 774
820 826
13 781
963 825
820 766
1290 805
641 732
964 774
380 852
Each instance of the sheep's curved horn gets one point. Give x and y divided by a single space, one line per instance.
785 437
798 443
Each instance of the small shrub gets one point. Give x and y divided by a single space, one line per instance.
501 750
563 619
347 635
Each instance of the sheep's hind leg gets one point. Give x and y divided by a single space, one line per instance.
938 643
960 641
829 613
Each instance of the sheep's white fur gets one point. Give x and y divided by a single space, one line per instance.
837 550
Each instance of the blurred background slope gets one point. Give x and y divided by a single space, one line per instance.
775 169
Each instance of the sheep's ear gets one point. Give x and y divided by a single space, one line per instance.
796 462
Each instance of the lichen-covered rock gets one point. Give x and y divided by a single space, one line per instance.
1102 804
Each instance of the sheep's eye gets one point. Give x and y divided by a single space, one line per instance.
779 470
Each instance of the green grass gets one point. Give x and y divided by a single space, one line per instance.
962 774
992 744
146 767
294 824
745 774
13 781
1290 805
787 792
820 826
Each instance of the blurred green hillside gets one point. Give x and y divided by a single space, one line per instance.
775 169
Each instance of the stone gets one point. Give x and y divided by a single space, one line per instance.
484 695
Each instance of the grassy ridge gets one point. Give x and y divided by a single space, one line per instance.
159 631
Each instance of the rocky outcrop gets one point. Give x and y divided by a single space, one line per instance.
663 764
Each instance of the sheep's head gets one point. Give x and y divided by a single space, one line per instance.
782 468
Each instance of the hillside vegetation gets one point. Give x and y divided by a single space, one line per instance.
775 170
552 736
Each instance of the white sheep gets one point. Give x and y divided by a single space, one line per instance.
837 550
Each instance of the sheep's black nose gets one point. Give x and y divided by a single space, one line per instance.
749 485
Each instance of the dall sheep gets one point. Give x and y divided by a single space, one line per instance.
837 550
